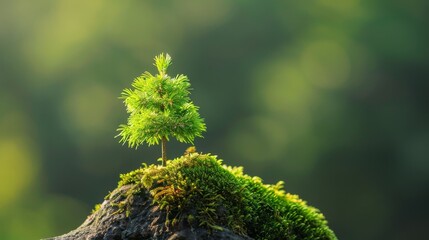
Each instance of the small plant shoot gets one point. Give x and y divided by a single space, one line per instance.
159 107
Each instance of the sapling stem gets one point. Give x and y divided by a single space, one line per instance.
164 151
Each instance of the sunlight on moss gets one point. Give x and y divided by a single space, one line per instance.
216 196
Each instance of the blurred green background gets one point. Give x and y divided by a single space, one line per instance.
328 95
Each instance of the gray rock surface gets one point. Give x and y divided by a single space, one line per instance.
144 221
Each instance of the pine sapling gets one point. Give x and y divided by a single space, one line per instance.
159 107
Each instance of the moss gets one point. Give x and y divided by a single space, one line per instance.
198 189
96 208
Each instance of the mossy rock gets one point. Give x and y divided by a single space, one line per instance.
196 197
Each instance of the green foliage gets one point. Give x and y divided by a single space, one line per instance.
159 107
200 190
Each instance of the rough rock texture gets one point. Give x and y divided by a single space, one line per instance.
144 221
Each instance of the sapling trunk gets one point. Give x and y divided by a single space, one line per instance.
164 151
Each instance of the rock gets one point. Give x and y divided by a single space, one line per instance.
197 197
144 221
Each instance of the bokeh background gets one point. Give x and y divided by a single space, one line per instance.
330 96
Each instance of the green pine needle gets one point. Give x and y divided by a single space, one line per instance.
160 107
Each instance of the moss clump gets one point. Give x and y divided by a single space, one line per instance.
199 190
96 208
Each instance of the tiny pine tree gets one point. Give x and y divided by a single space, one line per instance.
160 107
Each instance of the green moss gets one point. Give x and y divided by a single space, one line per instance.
96 208
197 188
